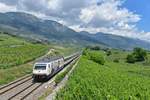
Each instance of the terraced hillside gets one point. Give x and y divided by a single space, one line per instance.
17 56
15 51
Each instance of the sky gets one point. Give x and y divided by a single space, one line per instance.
129 18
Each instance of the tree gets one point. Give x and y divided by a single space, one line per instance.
86 52
96 48
108 53
130 58
140 54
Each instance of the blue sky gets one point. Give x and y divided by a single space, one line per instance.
130 18
141 7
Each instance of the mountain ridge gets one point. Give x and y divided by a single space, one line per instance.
30 26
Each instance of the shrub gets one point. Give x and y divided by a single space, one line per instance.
97 57
94 55
93 47
108 53
62 75
59 78
96 48
138 55
86 53
116 60
116 52
130 58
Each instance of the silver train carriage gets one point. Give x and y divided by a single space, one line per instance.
45 67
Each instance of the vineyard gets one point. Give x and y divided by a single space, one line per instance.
111 81
14 51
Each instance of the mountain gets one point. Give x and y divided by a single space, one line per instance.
122 42
30 27
116 41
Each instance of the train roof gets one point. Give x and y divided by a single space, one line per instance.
49 59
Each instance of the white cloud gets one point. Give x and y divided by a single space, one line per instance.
6 8
109 15
144 35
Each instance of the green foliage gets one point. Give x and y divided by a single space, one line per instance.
116 60
138 55
117 54
86 52
10 74
108 52
93 47
60 76
15 51
131 58
65 51
96 56
113 81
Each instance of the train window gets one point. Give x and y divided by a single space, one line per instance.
52 64
58 63
55 63
40 67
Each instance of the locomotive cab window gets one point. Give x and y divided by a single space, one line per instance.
40 67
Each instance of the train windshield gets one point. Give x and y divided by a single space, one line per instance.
40 67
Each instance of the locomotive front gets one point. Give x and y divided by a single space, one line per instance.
40 71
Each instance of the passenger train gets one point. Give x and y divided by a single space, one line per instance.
48 66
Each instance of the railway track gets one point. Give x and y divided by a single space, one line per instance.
23 87
17 82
